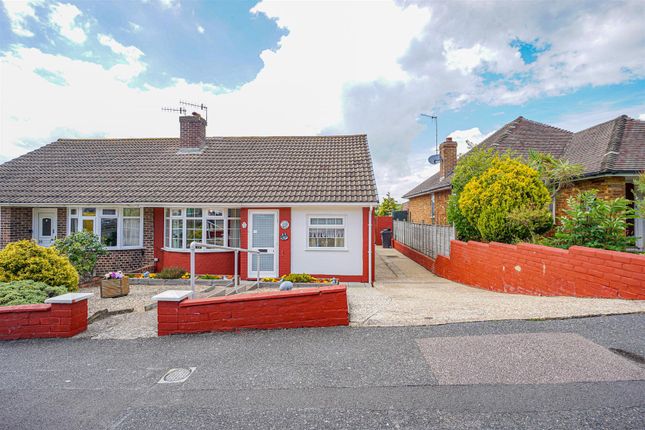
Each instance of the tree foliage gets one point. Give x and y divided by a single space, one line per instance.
507 186
470 166
594 222
556 173
388 205
83 249
24 260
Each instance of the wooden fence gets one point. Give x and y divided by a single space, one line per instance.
430 240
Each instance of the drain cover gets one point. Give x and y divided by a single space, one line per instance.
176 376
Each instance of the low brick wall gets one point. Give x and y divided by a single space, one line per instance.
311 307
539 270
43 320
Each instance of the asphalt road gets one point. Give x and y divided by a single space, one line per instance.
366 378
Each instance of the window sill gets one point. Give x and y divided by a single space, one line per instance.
197 251
123 248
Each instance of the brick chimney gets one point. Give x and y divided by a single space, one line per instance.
192 132
448 153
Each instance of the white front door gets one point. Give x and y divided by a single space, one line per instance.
263 237
45 231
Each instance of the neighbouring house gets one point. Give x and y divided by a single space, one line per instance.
305 201
612 154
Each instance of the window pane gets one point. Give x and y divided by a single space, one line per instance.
73 211
46 227
234 233
131 212
108 212
327 237
175 212
193 230
108 231
215 212
88 225
193 213
234 213
326 221
177 233
89 211
73 225
166 242
131 231
215 231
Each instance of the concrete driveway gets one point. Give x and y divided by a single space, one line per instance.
407 294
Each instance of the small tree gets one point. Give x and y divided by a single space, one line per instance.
388 205
506 187
594 222
83 249
556 173
640 198
470 166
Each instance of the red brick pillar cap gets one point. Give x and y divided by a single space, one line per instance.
69 298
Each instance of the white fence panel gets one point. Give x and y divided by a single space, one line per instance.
430 240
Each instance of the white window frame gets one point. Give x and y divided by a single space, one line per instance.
205 218
325 215
97 223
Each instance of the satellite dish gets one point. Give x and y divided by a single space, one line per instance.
434 159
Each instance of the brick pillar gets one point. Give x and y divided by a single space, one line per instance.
448 153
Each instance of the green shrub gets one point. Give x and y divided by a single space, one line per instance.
470 166
594 222
171 273
27 292
24 260
207 276
527 223
488 199
82 249
299 277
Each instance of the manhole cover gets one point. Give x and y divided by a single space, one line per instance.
175 376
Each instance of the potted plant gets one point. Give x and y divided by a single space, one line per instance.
114 284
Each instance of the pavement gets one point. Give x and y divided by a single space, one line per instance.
555 374
405 293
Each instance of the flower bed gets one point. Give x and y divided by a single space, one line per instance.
153 279
299 280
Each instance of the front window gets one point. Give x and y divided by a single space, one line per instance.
326 232
213 226
115 227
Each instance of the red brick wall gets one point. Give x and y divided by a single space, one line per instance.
540 270
15 224
44 320
381 223
308 307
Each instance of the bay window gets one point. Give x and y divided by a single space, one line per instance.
213 226
116 227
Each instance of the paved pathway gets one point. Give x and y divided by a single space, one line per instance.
407 294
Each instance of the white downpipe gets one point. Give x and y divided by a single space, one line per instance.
369 246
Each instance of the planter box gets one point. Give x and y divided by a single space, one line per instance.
114 287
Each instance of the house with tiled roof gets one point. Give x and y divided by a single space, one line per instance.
304 202
612 155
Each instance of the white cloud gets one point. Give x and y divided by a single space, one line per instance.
63 18
169 4
642 117
19 12
134 27
472 135
200 29
133 65
465 59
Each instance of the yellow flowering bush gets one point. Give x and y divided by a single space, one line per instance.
24 260
506 187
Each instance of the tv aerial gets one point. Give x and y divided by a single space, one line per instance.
181 110
436 157
200 106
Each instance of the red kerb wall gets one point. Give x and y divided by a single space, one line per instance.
539 270
306 307
43 320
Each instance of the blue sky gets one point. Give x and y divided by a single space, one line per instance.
105 68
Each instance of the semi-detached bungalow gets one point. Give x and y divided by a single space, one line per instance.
305 201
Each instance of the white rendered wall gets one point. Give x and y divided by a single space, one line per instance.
329 261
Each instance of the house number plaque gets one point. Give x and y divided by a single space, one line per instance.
284 224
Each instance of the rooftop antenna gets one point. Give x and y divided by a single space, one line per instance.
435 158
181 110
200 106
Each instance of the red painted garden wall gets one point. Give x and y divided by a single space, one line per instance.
43 320
381 223
539 270
306 307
